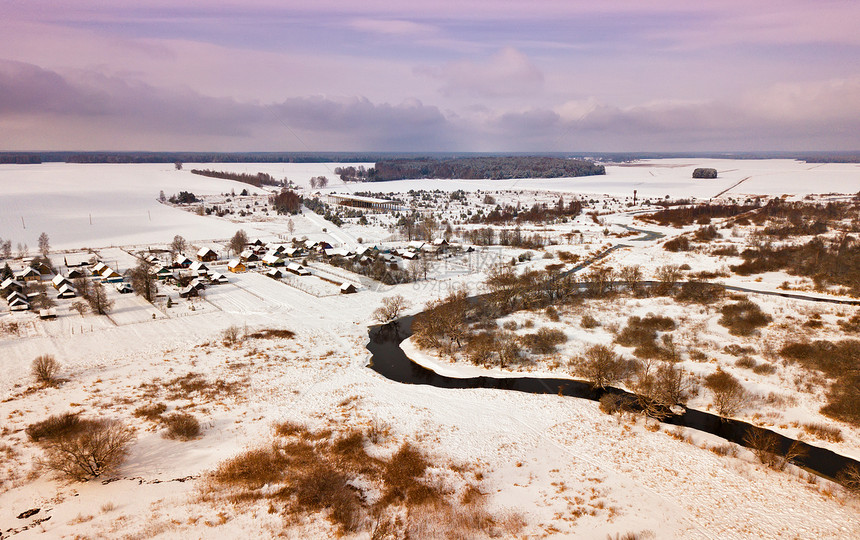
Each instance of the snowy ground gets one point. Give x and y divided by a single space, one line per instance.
569 469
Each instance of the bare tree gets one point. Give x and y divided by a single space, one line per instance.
291 226
179 245
44 244
45 369
143 281
98 299
6 249
22 250
603 367
238 242
391 308
729 394
83 287
668 274
631 276
80 307
178 165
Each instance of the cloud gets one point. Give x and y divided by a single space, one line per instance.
87 110
509 72
393 27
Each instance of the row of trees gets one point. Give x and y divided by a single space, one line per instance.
319 182
256 180
23 250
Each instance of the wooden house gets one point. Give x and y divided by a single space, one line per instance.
59 281
98 268
29 274
347 288
199 267
205 254
298 269
9 285
66 291
75 273
275 273
181 261
217 278
272 259
162 273
189 292
236 266
111 276
249 256
49 313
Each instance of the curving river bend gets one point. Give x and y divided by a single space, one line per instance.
391 362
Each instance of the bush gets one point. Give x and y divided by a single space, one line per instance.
54 427
182 426
588 321
45 369
544 340
743 318
747 362
764 369
680 243
93 448
729 394
700 293
641 333
231 334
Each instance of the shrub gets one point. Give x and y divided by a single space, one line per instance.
93 448
544 340
743 318
764 369
680 243
54 427
700 293
152 411
588 321
231 334
641 333
252 469
45 369
850 478
747 362
729 395
182 426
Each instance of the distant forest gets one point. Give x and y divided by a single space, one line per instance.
485 168
256 180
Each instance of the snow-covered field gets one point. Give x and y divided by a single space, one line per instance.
568 469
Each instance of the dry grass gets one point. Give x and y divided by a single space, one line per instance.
823 431
331 474
192 386
151 411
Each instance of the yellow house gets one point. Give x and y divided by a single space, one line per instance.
236 266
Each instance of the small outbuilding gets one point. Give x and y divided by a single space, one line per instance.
348 288
236 266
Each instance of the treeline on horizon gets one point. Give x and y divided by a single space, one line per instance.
35 157
482 168
257 180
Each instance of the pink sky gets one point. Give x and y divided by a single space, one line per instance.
617 75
